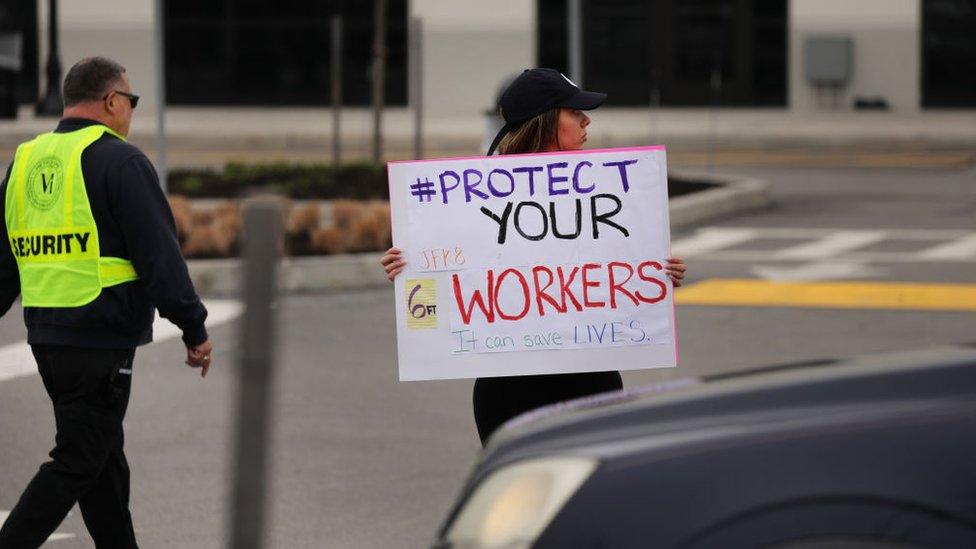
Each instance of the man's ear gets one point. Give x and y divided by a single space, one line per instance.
113 104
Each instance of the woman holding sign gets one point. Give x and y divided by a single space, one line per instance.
543 112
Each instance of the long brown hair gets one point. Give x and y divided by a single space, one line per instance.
534 135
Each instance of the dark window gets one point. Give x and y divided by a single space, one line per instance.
264 52
678 52
704 40
552 34
949 53
618 57
20 16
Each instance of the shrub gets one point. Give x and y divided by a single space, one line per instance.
344 212
299 226
331 240
360 180
182 216
304 219
212 233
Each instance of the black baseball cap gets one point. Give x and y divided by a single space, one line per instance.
534 92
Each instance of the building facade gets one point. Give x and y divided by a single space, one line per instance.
905 55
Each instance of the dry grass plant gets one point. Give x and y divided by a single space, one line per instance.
357 226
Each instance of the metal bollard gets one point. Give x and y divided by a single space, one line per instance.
336 68
415 37
262 233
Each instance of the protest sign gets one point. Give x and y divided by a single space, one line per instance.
533 264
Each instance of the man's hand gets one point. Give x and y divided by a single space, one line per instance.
199 357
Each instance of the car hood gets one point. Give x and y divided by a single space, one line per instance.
606 425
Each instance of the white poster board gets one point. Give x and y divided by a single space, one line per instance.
533 264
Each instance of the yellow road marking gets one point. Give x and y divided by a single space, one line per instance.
830 295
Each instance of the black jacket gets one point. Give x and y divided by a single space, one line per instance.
134 222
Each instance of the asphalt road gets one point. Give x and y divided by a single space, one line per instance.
362 461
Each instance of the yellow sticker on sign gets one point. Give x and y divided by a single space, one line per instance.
421 303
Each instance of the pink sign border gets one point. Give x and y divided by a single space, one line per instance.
551 153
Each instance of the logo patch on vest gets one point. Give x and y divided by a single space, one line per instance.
45 183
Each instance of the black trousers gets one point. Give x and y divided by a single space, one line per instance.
499 399
90 392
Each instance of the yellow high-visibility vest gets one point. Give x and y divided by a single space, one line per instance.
50 224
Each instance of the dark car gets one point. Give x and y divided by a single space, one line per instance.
875 452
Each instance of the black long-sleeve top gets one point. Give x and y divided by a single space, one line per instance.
134 222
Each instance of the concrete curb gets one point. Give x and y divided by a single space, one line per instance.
733 196
222 277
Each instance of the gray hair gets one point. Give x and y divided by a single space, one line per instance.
90 79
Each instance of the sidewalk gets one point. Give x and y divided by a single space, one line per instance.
215 135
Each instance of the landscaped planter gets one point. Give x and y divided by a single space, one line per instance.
325 211
213 228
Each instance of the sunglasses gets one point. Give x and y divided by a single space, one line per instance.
133 98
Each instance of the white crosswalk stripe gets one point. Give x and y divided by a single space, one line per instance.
959 248
708 240
16 359
833 245
52 537
847 245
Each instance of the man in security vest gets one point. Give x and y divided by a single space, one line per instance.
91 248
